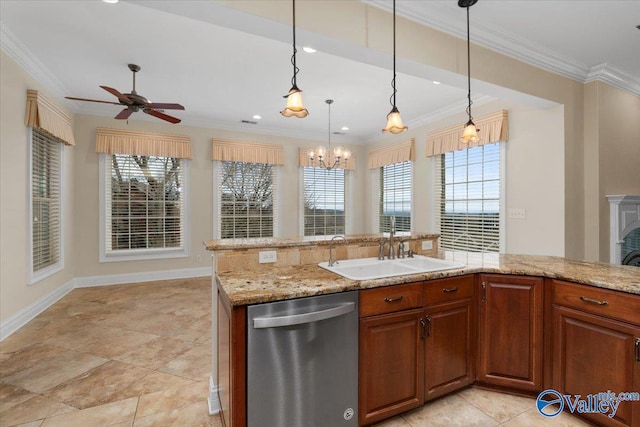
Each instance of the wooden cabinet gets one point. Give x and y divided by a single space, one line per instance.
449 342
391 367
595 346
510 331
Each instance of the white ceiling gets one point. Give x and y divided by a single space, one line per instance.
225 66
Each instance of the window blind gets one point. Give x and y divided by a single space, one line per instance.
467 189
46 155
144 203
395 196
324 201
247 200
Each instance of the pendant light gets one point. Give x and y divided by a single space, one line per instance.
470 132
341 155
295 107
394 121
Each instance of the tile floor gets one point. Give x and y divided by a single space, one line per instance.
139 355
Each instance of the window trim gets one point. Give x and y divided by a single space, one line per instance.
144 254
34 277
216 200
348 204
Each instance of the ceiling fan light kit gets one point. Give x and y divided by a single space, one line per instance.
295 107
470 132
394 121
135 102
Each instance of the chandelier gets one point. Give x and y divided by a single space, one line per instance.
326 158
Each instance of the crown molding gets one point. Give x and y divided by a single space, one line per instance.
510 45
17 51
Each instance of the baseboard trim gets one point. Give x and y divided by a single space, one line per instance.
145 276
214 398
27 314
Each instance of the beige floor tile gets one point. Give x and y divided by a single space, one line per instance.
393 422
97 386
499 406
532 418
447 412
113 342
155 353
155 382
194 415
11 396
26 357
34 408
37 423
171 398
195 364
111 414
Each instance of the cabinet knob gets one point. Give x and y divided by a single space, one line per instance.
637 350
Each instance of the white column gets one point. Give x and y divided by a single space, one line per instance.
214 398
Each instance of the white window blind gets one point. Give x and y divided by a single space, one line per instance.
144 204
324 201
395 196
247 197
46 155
467 190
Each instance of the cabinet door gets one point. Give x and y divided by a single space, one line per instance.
592 354
391 364
448 347
510 334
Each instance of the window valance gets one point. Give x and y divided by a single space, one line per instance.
249 152
392 154
121 141
303 160
45 115
493 128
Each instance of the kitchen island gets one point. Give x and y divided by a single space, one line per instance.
558 310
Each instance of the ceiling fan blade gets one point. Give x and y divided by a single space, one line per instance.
165 106
92 100
125 99
162 116
124 114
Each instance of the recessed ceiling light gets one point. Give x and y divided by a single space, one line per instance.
110 1
436 83
344 128
257 116
309 49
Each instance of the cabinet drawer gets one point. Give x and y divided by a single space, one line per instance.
390 299
612 304
444 290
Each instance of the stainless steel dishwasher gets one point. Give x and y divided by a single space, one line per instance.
302 362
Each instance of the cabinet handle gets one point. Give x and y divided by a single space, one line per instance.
484 291
393 299
450 290
428 320
593 301
424 329
637 350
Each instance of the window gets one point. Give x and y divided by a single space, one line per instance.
395 196
324 201
144 209
246 200
46 218
468 198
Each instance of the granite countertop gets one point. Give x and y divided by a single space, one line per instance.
281 283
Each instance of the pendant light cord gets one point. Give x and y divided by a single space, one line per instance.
469 68
392 99
293 57
329 129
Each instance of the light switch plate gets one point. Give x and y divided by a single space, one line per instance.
265 257
426 245
517 213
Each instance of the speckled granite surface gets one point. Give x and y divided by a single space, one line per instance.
272 284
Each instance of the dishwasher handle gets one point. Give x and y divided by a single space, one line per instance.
299 319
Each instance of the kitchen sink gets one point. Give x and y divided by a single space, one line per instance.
373 268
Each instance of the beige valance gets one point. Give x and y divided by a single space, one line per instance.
303 160
121 141
392 154
44 114
493 128
249 152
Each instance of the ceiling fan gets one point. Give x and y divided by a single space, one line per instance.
135 102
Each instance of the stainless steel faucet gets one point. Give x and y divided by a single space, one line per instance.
381 250
392 232
331 260
401 249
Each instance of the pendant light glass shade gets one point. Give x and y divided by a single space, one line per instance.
340 154
295 107
470 132
394 121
